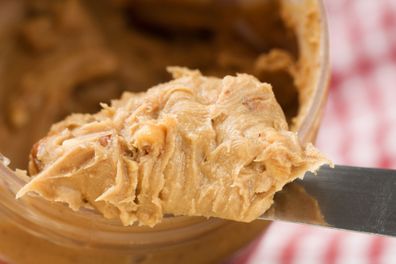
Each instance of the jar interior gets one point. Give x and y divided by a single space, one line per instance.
68 56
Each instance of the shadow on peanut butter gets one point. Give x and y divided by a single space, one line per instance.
293 203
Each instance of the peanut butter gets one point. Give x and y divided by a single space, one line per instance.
195 146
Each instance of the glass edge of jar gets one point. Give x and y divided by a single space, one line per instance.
307 130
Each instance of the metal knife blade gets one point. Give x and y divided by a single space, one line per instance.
344 197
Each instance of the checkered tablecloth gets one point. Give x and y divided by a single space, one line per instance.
359 128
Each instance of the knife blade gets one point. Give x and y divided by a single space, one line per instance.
343 197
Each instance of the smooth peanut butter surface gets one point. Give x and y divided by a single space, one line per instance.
197 146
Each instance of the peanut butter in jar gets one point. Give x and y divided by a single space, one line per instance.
69 56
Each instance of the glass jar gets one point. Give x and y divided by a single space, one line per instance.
36 231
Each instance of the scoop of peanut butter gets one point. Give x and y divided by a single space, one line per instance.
196 146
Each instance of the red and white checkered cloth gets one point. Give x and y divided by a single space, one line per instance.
359 128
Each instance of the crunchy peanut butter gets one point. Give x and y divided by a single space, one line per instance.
196 146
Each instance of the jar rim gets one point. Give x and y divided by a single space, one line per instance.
320 91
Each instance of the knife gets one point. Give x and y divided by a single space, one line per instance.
343 197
